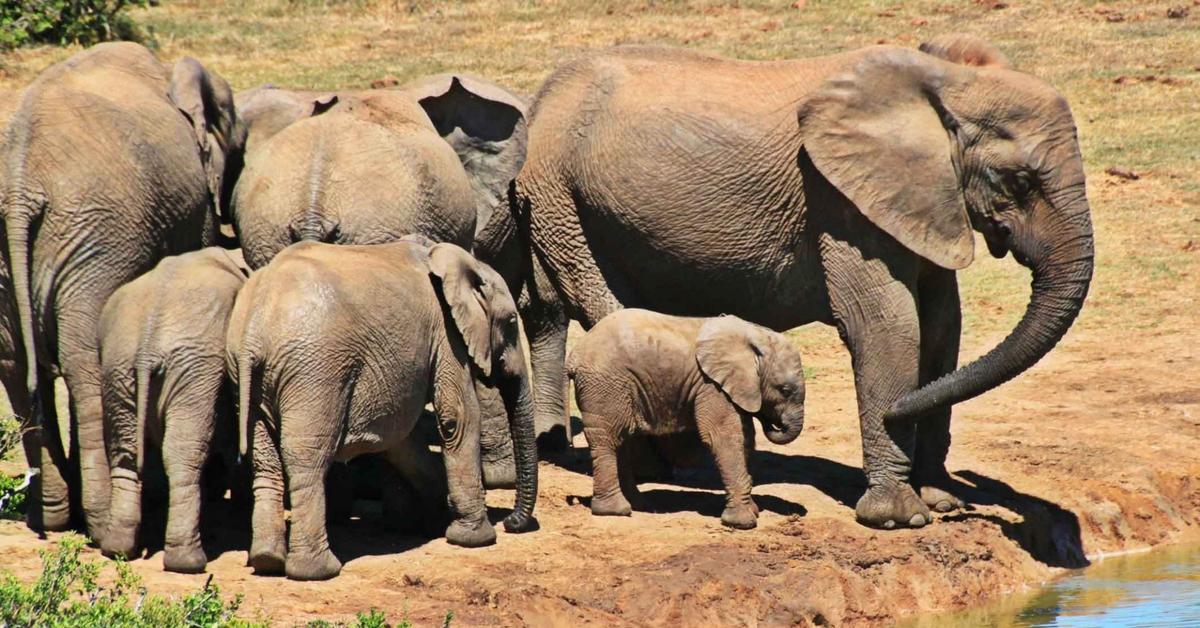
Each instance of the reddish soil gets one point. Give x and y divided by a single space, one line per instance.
1091 452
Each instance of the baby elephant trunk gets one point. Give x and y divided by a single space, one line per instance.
787 429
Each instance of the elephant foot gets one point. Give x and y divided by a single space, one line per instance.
740 517
121 543
892 506
320 566
267 559
185 559
499 474
939 499
614 506
40 520
471 534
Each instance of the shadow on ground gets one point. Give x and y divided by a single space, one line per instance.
1047 531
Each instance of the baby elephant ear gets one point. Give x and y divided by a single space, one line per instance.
728 355
465 291
965 49
486 126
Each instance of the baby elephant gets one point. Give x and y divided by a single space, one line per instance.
162 358
337 349
642 371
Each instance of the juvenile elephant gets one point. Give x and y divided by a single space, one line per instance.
369 166
337 349
111 162
162 365
841 189
434 157
640 371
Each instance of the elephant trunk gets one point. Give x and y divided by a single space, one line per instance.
787 430
125 513
1062 272
518 402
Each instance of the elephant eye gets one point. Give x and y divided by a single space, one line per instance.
1019 184
786 390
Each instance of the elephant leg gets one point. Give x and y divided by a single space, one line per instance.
941 326
720 428
496 449
458 421
124 443
187 440
81 370
307 442
427 475
627 477
268 544
546 324
876 314
49 506
604 442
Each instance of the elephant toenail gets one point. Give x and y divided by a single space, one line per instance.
917 521
889 524
944 506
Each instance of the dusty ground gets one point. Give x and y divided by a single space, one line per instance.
1092 451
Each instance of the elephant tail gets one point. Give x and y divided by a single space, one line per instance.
143 372
16 224
246 364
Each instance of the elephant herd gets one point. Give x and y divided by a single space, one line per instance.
283 280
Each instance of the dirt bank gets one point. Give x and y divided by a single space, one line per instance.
1093 451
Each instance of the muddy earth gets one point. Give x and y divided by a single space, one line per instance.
1093 451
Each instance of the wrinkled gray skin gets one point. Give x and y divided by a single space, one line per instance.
434 157
111 162
841 189
337 349
162 365
640 371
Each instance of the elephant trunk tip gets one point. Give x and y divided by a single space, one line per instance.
519 522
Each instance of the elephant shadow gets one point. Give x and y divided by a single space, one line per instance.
1049 533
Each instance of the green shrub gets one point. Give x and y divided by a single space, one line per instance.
67 594
63 22
12 488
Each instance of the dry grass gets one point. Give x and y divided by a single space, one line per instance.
1146 270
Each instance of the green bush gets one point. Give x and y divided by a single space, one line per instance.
67 594
12 488
63 22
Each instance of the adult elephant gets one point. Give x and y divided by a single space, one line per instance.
111 162
362 167
843 190
434 158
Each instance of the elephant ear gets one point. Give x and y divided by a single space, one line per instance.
466 293
728 355
965 49
486 126
882 136
206 100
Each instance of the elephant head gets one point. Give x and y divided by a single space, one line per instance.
927 148
206 100
758 370
485 314
262 112
487 127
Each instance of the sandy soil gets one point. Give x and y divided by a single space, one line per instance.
1091 452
